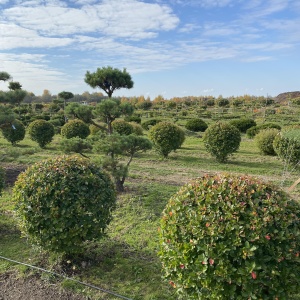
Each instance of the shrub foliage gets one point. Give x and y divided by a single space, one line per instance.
41 131
2 180
243 124
251 132
149 123
230 237
75 128
196 125
14 133
122 127
221 140
166 137
264 140
62 202
287 146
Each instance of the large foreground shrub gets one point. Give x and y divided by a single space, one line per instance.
14 133
166 137
41 131
230 237
62 202
75 128
221 140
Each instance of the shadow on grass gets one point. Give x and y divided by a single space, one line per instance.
131 272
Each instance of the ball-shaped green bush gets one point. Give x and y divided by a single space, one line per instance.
149 123
243 124
196 125
264 140
41 131
122 127
75 128
166 137
133 118
14 133
287 146
231 237
62 202
137 128
221 140
252 131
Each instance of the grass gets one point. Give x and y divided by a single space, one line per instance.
126 261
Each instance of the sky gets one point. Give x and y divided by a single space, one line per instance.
172 48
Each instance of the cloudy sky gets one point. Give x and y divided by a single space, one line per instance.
170 47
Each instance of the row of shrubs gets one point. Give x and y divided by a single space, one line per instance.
220 139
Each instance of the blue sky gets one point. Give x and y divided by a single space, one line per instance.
172 48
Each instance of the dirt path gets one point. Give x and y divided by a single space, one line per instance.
31 288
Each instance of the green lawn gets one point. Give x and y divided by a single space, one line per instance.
126 260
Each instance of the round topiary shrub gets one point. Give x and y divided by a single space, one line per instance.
166 137
148 124
243 124
221 140
287 146
137 128
252 131
41 131
231 237
14 133
63 202
133 118
122 127
196 125
223 102
75 128
264 140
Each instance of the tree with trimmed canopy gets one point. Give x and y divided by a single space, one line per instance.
109 79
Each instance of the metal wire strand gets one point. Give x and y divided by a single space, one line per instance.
65 277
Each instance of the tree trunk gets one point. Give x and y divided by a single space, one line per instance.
119 185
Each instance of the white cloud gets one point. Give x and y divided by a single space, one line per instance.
189 27
35 73
205 3
127 19
13 36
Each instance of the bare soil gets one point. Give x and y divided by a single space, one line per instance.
31 288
